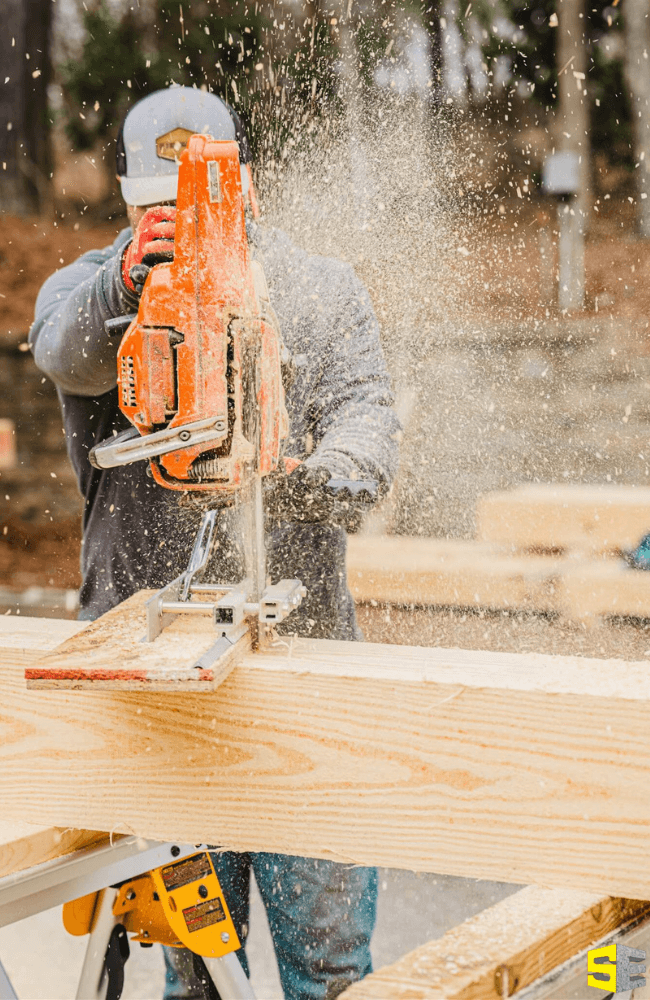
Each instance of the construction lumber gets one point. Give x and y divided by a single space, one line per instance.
24 846
457 573
452 573
568 980
605 588
556 516
503 949
522 768
112 652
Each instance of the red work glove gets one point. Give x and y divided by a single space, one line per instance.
152 243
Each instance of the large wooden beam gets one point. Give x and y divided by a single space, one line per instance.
502 950
531 769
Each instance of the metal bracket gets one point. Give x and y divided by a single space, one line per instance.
200 552
156 618
122 451
54 882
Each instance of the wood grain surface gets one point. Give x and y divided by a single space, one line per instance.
23 845
522 768
501 950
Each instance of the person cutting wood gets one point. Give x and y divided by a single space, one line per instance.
138 535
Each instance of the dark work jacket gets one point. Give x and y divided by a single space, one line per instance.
137 534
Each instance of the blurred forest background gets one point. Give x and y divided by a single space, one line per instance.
72 68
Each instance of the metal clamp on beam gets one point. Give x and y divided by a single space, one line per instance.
280 600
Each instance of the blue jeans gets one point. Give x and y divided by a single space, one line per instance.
321 917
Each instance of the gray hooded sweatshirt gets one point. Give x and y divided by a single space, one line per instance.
137 534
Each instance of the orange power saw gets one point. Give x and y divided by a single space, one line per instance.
200 379
199 367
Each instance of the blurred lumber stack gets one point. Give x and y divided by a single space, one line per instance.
552 517
541 547
450 573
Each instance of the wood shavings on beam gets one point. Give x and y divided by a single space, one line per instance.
112 653
502 950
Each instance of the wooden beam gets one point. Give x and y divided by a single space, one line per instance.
568 979
23 845
451 573
605 588
523 768
503 949
555 516
430 571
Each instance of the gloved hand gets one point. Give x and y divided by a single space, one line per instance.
152 243
306 498
300 496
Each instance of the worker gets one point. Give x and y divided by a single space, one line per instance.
136 534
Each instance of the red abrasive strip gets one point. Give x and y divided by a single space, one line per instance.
87 674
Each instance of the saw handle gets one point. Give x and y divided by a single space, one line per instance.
118 325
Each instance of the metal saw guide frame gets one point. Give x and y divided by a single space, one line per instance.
232 611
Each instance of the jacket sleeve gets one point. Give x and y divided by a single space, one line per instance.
67 337
356 432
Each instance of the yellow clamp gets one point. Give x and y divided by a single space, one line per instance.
180 905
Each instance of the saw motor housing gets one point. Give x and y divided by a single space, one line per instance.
200 367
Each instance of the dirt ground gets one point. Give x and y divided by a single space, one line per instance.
30 251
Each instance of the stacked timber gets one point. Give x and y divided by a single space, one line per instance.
540 547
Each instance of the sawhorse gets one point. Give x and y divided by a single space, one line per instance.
99 869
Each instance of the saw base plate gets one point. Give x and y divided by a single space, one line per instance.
110 654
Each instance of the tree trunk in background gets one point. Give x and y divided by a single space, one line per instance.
25 160
637 71
454 71
431 18
573 110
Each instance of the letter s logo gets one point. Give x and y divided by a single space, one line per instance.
601 974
